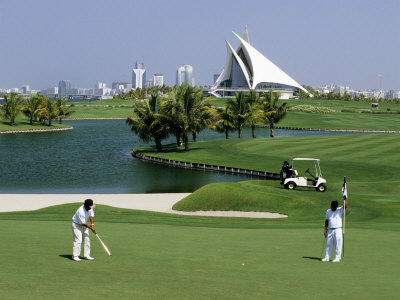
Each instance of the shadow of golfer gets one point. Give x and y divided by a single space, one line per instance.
67 256
312 257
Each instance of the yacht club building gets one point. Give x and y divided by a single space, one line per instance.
246 68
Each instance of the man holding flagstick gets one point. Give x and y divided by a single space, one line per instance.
333 227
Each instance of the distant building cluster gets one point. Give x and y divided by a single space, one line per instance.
245 68
100 89
377 94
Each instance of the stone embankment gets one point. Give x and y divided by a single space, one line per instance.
35 130
77 119
185 164
334 130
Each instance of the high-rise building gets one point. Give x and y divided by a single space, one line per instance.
139 76
184 74
158 80
63 87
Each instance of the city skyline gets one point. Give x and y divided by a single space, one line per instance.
318 42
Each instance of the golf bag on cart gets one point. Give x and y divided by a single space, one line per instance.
286 171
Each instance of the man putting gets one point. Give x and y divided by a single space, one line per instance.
80 230
333 230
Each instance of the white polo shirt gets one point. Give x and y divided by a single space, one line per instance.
334 217
82 215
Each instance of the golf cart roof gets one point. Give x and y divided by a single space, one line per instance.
299 158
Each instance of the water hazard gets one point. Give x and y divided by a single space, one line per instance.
95 157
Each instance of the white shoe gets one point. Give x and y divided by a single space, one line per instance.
337 259
89 258
76 258
325 259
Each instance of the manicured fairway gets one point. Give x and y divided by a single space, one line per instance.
355 121
204 261
371 164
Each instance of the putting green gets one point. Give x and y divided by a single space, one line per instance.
153 261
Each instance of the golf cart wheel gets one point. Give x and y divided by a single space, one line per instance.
321 188
290 185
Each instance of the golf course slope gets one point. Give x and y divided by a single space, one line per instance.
168 256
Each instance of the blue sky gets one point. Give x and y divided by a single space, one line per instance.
347 42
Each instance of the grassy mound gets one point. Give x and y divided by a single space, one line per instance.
254 196
370 163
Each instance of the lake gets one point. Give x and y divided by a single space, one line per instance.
95 157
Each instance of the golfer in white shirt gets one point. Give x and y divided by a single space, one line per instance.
80 230
333 231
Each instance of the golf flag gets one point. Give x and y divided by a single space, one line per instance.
344 189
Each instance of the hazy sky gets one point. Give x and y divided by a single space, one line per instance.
347 42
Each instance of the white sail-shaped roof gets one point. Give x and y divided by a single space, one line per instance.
256 67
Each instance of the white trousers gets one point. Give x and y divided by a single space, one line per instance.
80 234
334 237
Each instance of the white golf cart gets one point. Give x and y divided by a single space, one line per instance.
290 177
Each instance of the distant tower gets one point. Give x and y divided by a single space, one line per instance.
139 76
380 86
184 74
63 87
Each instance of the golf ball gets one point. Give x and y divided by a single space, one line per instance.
242 264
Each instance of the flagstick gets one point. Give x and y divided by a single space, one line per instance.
344 212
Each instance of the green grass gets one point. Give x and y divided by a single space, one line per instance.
341 104
118 108
333 104
107 108
163 256
370 162
23 124
352 121
91 111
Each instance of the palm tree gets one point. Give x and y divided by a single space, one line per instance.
196 112
149 124
225 122
31 107
203 116
63 109
173 112
254 111
48 110
12 107
238 107
273 113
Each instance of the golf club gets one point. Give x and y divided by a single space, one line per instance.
323 248
104 245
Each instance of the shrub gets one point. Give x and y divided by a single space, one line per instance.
312 109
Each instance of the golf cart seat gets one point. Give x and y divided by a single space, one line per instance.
287 172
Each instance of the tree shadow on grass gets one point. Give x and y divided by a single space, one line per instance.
67 256
312 257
